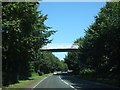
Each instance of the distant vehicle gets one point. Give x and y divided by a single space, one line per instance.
64 72
55 73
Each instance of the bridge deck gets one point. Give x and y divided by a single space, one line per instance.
61 50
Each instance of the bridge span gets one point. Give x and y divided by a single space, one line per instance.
60 48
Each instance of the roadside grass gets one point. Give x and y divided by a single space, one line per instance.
24 83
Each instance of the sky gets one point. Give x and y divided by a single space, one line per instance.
70 20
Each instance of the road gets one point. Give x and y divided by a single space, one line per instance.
53 81
68 82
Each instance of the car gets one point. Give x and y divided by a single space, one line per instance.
55 73
64 72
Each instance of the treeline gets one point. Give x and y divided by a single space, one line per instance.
99 49
23 33
47 63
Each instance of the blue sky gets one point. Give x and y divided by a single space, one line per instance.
70 19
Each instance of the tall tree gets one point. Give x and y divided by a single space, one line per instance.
24 32
100 46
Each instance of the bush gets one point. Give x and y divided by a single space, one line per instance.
40 73
87 71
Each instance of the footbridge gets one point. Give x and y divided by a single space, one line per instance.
60 48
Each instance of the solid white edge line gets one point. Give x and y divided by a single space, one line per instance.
41 81
67 83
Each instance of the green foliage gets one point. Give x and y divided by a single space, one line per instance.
63 66
86 71
47 63
40 73
72 61
99 48
24 32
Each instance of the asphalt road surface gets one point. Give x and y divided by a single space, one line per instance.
55 82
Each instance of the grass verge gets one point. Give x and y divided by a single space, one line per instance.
24 83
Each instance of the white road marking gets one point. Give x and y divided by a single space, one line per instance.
67 83
41 81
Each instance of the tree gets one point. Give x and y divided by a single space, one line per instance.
99 49
100 46
47 62
72 62
24 32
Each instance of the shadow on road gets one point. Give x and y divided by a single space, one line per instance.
81 84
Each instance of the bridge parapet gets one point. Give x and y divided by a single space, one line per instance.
60 47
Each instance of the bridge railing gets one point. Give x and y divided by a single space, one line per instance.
61 46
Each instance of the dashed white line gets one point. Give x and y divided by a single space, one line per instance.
67 83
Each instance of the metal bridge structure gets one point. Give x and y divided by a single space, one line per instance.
60 48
